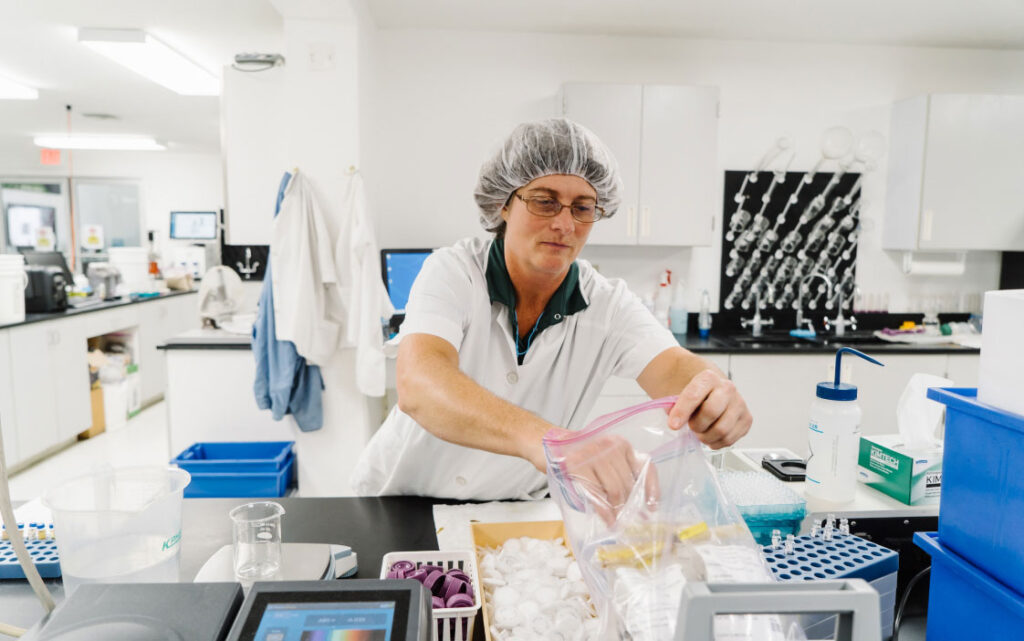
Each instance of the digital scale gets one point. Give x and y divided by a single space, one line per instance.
351 610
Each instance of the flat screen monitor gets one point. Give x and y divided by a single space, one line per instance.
194 225
399 268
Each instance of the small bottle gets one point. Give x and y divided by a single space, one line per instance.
678 317
833 439
776 539
704 319
826 534
815 528
790 544
844 526
663 298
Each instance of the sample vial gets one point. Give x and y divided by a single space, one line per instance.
790 544
844 526
776 539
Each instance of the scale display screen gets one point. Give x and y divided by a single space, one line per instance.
354 621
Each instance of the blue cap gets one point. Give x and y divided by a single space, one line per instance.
836 391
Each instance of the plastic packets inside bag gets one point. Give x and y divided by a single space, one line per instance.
644 514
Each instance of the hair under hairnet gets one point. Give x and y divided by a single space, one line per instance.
544 148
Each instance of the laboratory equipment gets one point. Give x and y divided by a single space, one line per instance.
383 610
846 556
103 279
261 469
220 296
133 263
833 437
193 225
47 289
399 268
768 506
757 324
982 515
964 601
784 469
191 258
840 322
703 605
119 525
43 552
13 281
256 535
299 562
802 290
272 611
678 316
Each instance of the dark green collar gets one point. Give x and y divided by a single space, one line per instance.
567 299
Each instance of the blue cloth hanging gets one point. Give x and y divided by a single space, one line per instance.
285 383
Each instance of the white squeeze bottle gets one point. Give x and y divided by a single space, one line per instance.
663 298
678 319
833 438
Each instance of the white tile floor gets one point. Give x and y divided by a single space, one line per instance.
142 441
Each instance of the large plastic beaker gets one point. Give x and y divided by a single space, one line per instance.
119 525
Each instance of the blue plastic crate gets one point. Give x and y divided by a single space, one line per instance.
964 602
981 513
43 553
242 484
249 457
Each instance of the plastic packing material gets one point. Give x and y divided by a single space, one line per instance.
1000 376
644 513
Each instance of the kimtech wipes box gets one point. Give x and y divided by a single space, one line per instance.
913 477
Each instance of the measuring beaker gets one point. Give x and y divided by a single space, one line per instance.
257 539
119 525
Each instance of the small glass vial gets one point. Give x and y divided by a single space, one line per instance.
844 526
790 544
776 539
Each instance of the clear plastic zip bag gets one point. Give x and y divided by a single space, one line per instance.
644 514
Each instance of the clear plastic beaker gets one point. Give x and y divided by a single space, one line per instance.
257 539
119 525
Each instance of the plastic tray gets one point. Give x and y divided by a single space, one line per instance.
43 553
784 515
981 517
451 624
241 485
965 602
249 457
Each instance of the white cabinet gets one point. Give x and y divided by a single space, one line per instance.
50 383
962 369
158 322
665 141
955 168
7 418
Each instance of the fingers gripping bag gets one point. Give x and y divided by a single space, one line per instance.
644 514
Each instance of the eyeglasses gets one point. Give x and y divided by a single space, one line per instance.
548 207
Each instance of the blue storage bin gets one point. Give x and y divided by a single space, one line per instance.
966 603
248 457
241 484
981 513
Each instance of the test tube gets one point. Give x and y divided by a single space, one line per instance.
827 533
734 265
767 240
790 544
776 539
815 528
738 222
791 241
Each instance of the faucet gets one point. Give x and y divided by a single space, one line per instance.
757 323
840 322
251 266
800 320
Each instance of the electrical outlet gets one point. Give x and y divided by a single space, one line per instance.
321 56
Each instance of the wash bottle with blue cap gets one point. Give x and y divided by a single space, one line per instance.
833 438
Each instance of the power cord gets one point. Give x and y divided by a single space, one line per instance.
18 543
903 603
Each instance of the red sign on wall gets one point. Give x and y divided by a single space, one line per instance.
49 156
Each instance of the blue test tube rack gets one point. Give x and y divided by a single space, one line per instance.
42 550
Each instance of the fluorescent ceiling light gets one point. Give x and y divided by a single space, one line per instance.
10 90
84 141
149 57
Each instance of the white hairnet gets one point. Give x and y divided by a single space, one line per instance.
544 148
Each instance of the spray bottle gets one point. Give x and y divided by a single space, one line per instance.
833 438
663 298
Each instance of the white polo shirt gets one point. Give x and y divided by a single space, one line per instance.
561 376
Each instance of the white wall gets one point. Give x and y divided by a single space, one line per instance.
439 102
168 181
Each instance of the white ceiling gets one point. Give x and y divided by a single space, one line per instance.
38 43
38 47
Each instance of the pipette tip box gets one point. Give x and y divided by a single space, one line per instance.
765 503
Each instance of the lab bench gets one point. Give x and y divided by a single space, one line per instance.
44 376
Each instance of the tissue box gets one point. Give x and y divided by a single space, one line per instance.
913 477
1000 376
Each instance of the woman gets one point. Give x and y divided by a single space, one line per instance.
506 339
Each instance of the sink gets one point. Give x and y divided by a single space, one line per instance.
855 338
771 339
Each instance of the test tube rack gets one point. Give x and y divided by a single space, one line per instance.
846 556
42 550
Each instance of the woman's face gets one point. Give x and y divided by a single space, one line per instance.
535 245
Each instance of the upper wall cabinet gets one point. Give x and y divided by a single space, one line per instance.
665 139
956 174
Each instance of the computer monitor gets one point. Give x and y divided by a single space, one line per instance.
56 259
194 225
399 268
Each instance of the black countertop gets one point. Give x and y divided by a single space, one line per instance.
782 343
96 307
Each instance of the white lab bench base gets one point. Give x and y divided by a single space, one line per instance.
210 375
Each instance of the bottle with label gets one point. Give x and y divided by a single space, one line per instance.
678 318
833 438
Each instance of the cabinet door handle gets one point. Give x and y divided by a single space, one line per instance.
630 222
645 222
927 217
